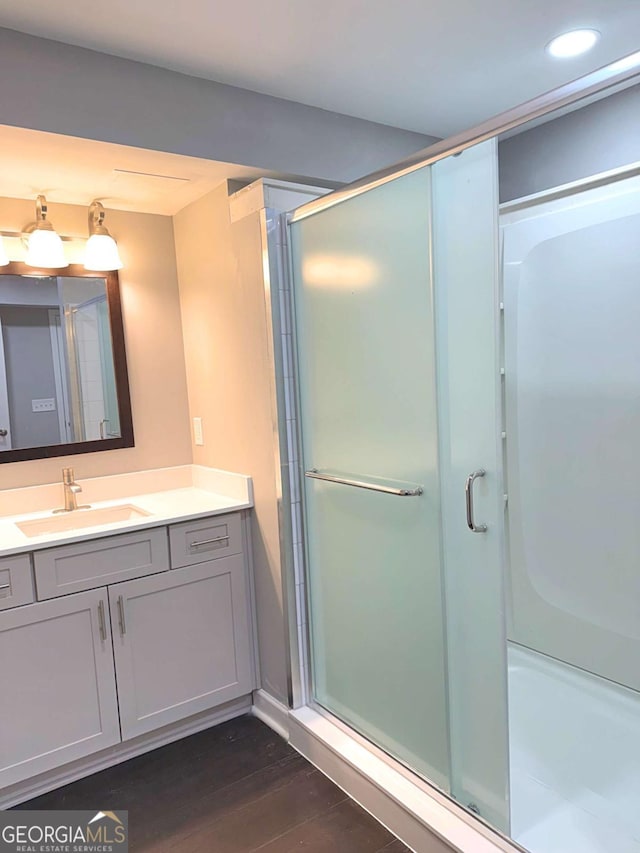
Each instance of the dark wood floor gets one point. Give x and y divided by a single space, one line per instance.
235 788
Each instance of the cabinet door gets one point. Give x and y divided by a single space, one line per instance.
58 697
181 642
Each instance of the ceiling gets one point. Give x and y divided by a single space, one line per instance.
435 66
70 170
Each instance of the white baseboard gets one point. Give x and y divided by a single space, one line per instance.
423 818
45 782
271 712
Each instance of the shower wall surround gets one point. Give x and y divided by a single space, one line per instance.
572 359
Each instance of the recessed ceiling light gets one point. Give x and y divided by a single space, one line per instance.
572 43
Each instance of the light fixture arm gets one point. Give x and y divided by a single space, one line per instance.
41 223
96 219
41 208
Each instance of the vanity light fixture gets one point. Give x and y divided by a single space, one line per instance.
101 253
44 246
4 258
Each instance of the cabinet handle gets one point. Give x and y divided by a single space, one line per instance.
123 626
208 541
101 621
5 586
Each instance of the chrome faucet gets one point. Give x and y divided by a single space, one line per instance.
71 489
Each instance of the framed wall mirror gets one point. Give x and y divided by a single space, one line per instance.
64 387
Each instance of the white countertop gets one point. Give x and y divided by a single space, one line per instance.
212 493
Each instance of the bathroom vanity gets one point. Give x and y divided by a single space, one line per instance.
121 635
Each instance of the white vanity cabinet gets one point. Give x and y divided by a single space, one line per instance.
58 689
85 670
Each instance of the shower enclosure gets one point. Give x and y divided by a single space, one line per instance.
469 397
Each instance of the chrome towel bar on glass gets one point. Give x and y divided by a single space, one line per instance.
314 474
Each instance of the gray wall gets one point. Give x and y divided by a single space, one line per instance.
29 366
63 89
601 136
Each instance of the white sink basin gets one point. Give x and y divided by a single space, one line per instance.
79 518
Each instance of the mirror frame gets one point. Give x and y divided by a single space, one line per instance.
126 438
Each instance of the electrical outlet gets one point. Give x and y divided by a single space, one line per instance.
47 404
197 431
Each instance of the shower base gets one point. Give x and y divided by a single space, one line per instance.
575 758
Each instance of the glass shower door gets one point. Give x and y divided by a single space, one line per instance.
466 273
364 316
397 319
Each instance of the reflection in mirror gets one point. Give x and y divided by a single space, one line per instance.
90 359
63 385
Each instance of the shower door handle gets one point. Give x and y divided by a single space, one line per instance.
468 491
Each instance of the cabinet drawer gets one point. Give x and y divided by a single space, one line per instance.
16 581
98 562
205 539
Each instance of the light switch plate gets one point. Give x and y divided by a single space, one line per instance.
197 431
46 404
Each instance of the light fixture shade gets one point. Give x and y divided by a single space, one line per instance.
101 253
4 258
45 250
